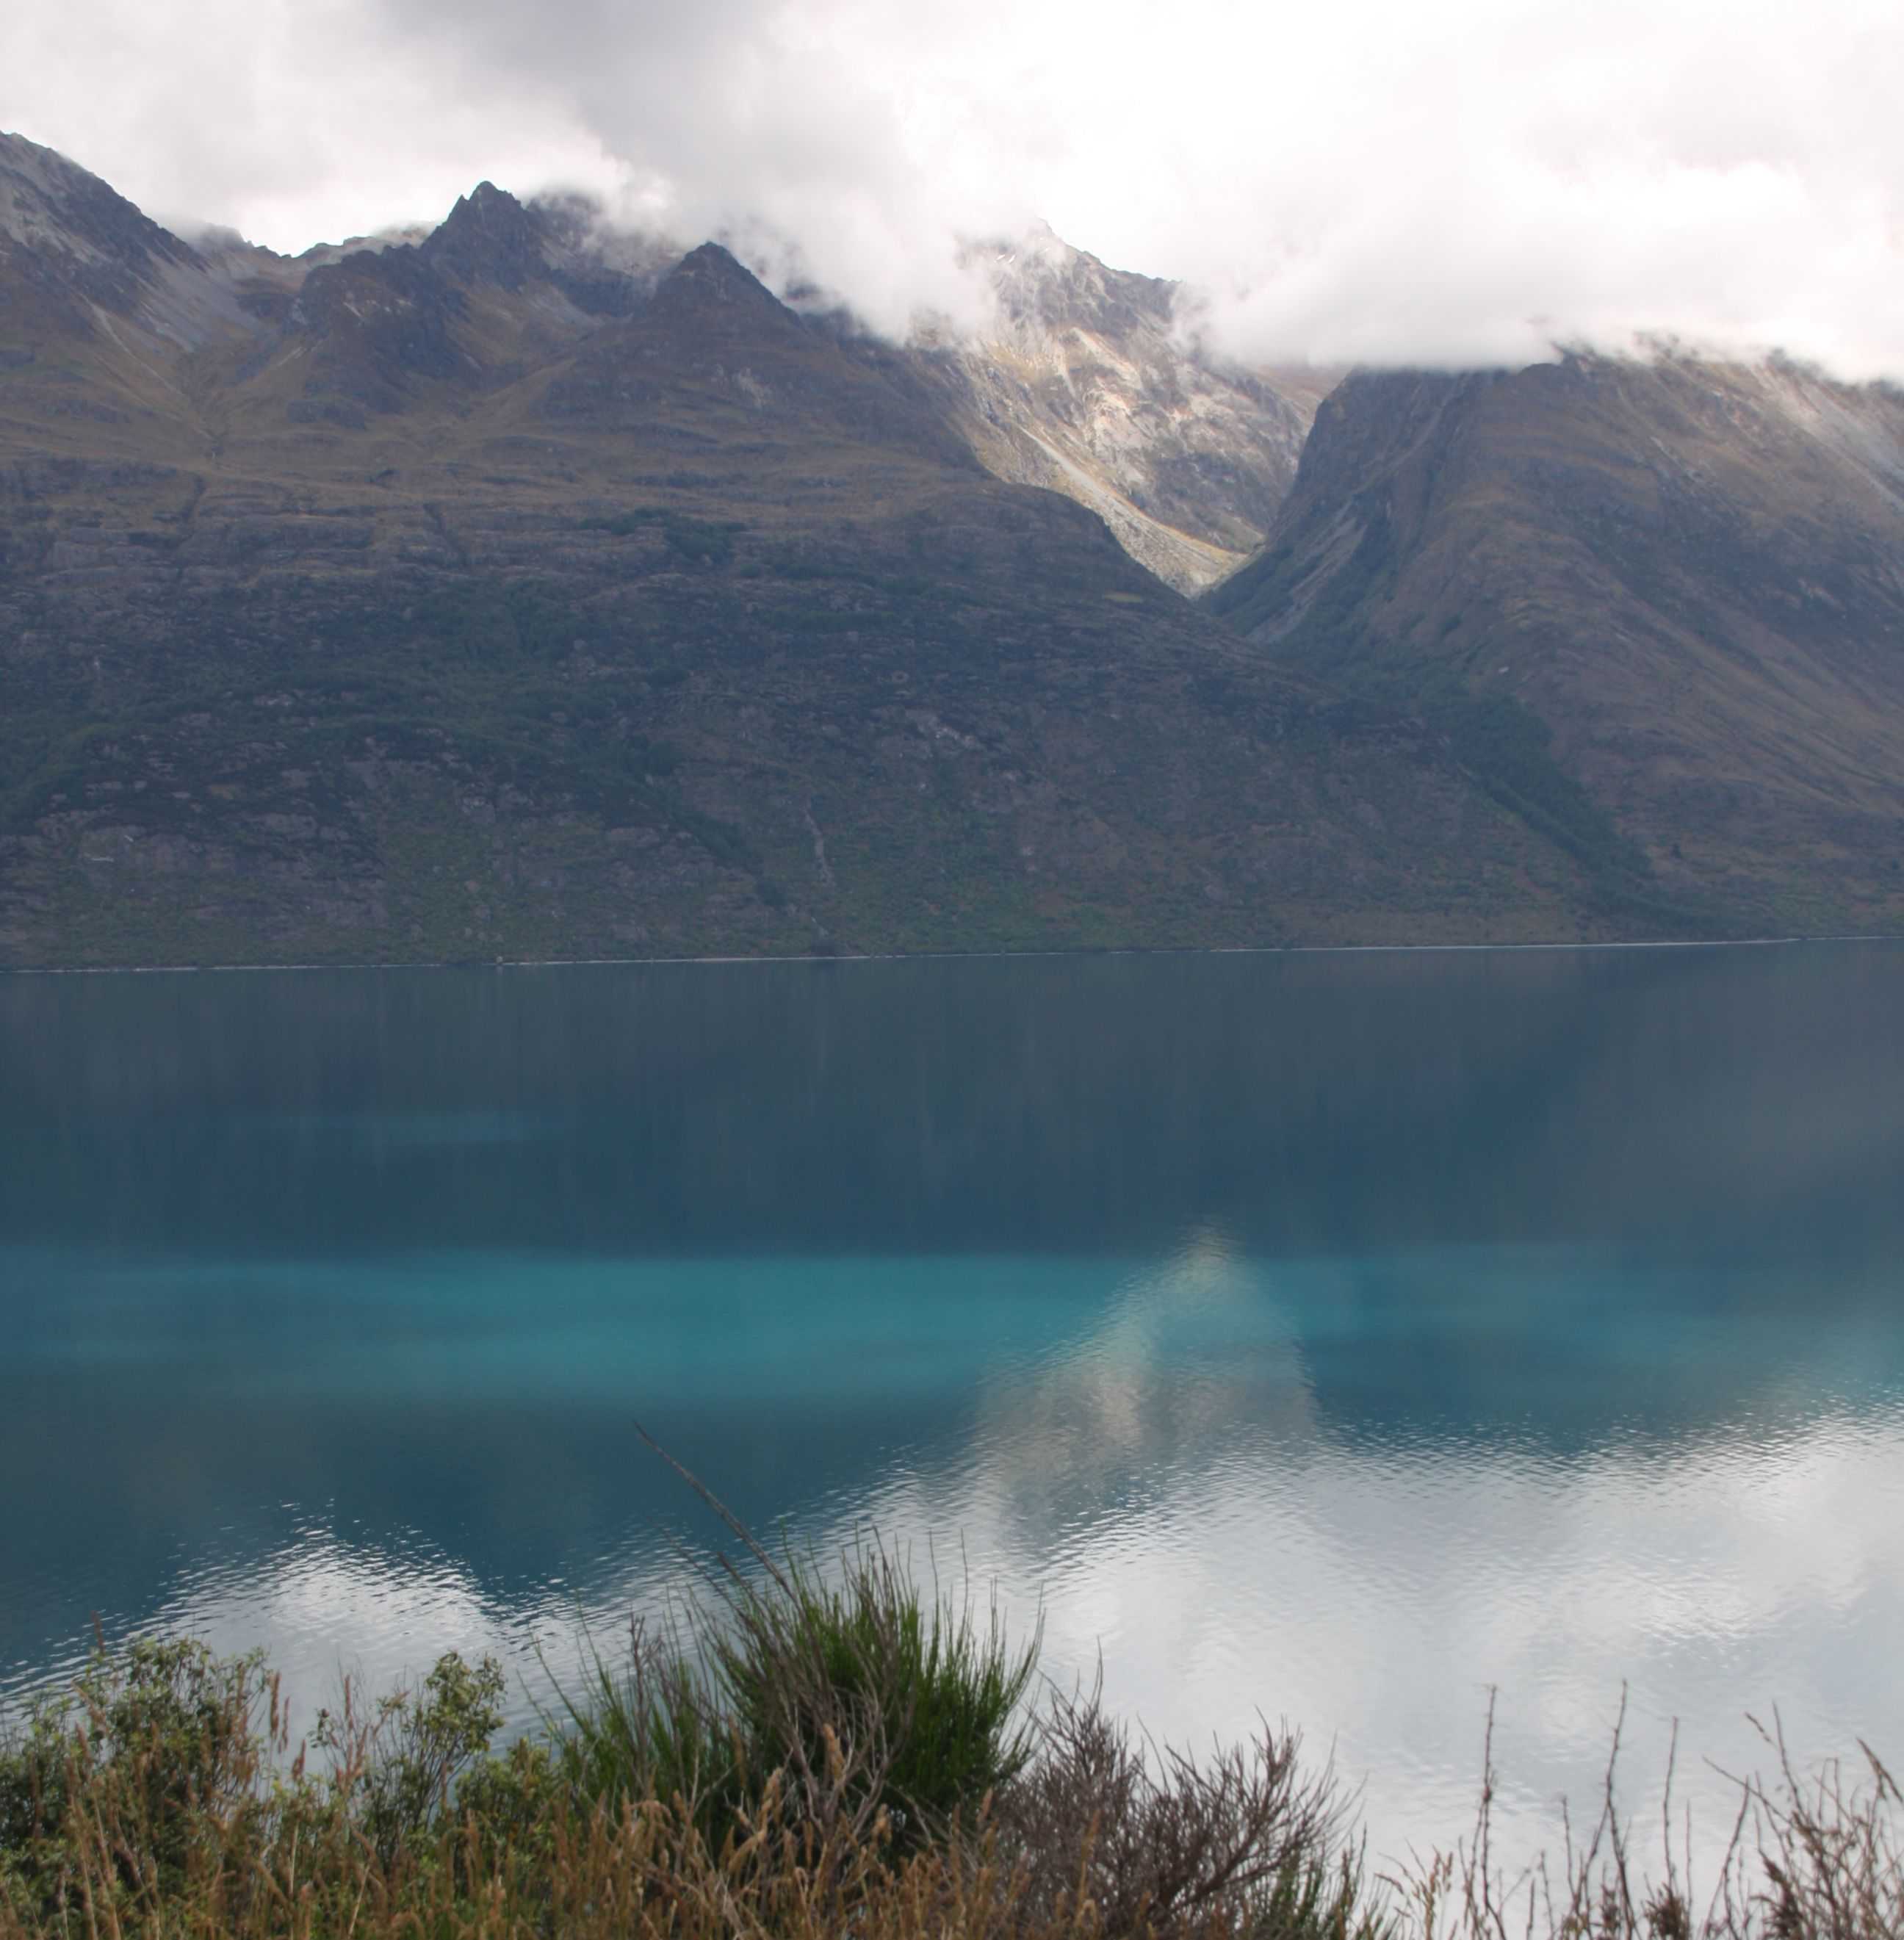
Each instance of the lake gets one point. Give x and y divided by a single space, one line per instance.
1337 1336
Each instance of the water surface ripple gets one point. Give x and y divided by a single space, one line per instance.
1334 1338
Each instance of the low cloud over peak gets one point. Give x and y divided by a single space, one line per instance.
1371 182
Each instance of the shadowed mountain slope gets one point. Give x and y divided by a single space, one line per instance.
498 594
1658 607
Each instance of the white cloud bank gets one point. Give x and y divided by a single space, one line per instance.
1373 181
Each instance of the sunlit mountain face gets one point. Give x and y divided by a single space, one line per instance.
1092 382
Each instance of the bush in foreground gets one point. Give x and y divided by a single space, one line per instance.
799 1758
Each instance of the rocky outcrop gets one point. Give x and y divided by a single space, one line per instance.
1090 381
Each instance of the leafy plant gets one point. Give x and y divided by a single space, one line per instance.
404 1762
168 1732
870 1702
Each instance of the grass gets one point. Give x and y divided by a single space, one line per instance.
864 1701
795 1755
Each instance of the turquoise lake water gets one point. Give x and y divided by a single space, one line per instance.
1332 1336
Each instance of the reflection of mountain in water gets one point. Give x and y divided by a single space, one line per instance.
1109 1105
1186 1358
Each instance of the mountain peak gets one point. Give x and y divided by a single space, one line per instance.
489 236
78 232
712 286
1044 285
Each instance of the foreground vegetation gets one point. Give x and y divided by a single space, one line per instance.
791 1757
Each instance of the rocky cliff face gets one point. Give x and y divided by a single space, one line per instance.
1670 594
68 238
1089 381
502 593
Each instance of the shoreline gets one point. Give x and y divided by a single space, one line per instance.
501 963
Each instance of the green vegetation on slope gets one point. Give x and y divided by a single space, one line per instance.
704 739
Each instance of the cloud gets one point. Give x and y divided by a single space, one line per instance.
1371 181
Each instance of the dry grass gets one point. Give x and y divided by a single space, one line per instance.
159 1804
797 1761
1814 1856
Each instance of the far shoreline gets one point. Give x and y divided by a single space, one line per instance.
501 963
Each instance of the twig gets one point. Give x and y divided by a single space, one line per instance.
720 1508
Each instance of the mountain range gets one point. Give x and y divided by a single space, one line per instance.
519 588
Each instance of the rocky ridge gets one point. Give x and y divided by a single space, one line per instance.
1090 382
498 593
1676 587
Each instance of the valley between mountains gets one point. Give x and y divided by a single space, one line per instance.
523 590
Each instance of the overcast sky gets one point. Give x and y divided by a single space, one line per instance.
1446 181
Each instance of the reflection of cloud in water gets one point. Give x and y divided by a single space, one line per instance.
1188 1513
1164 1487
378 1615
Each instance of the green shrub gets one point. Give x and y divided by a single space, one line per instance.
916 1708
405 1763
654 1728
871 1702
170 1731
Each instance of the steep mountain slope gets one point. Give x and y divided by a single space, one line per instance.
490 595
69 241
1086 383
100 308
1659 605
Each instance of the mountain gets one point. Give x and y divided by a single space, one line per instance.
1657 606
514 590
1089 381
68 245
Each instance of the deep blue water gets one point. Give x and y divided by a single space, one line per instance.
1337 1335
